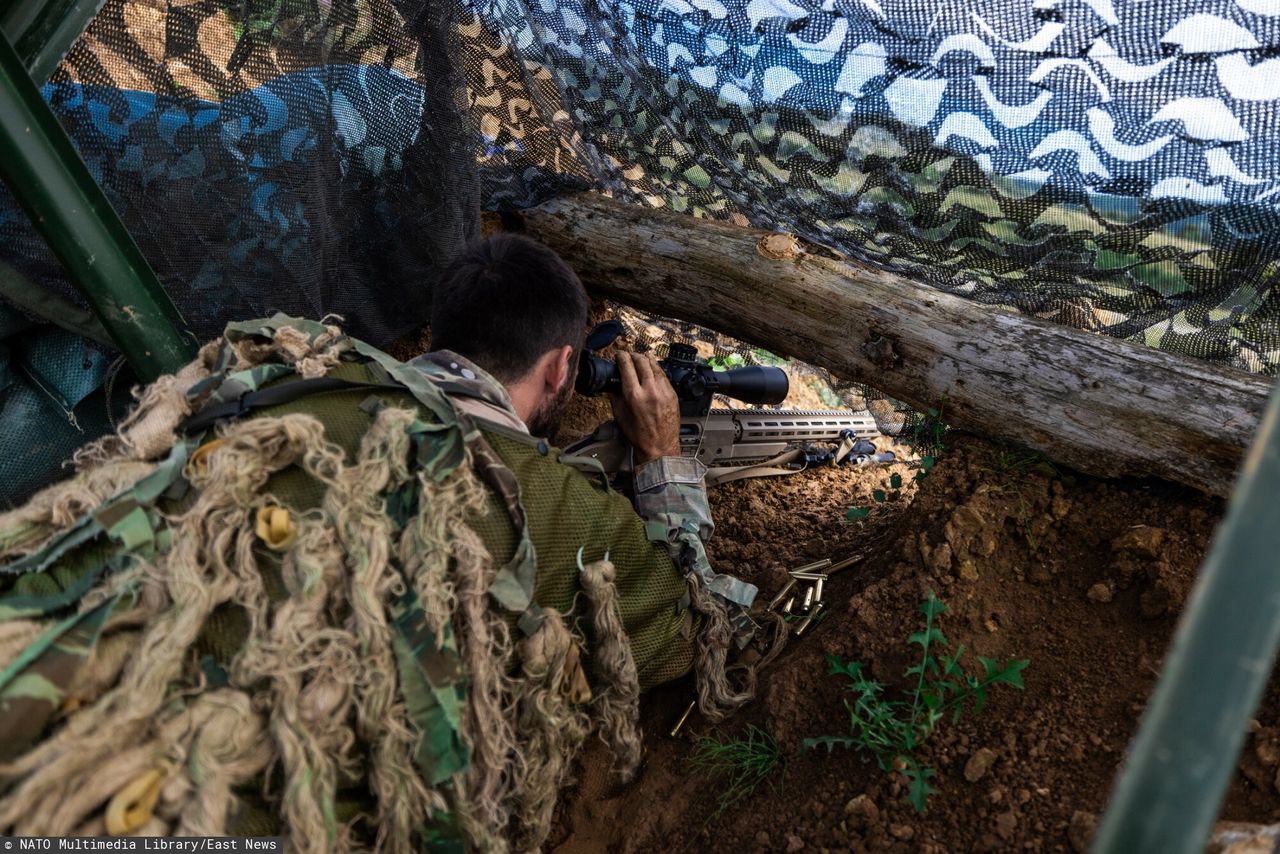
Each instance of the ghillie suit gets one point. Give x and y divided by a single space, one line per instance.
332 629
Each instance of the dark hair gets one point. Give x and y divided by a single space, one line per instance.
504 302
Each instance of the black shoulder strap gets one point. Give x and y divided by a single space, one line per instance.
274 395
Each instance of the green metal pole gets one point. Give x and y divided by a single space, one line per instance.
46 305
44 172
42 31
1171 789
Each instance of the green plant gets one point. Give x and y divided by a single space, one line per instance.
893 730
879 496
926 466
925 436
746 762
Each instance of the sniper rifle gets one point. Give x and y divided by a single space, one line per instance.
732 443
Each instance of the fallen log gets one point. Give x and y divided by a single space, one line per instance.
1100 405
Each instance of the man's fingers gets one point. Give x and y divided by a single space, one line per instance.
627 372
662 383
644 368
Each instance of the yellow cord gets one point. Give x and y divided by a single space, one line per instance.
275 528
131 808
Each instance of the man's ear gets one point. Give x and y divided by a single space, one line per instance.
557 370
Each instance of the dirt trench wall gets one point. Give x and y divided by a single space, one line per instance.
1083 577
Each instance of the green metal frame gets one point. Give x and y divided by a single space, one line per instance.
1182 760
42 31
46 305
41 167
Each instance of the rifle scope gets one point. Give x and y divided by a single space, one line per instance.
694 380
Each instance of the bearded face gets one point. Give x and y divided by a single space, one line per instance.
545 421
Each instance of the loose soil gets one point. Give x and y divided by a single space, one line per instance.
1083 577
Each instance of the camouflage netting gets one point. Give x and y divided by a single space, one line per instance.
1114 166
1109 164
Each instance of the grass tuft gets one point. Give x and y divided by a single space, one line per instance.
744 762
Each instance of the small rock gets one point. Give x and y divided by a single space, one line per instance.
1080 831
902 831
794 843
968 570
1023 796
1140 539
996 795
979 764
762 840
1060 506
939 560
1006 824
992 626
862 811
987 543
1258 843
1103 591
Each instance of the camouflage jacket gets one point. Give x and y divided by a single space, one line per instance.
669 493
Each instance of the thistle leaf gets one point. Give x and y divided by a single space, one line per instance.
920 788
926 637
932 605
839 667
1010 673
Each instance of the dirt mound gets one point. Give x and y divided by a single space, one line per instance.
1083 577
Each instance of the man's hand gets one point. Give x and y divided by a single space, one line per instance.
648 410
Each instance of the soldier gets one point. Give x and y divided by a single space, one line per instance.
310 590
507 322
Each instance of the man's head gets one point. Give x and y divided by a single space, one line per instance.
513 307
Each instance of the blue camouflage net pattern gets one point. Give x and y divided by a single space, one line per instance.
1114 166
266 155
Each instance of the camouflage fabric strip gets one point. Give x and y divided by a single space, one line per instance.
220 387
88 527
96 561
422 388
513 585
676 514
33 688
434 686
265 327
